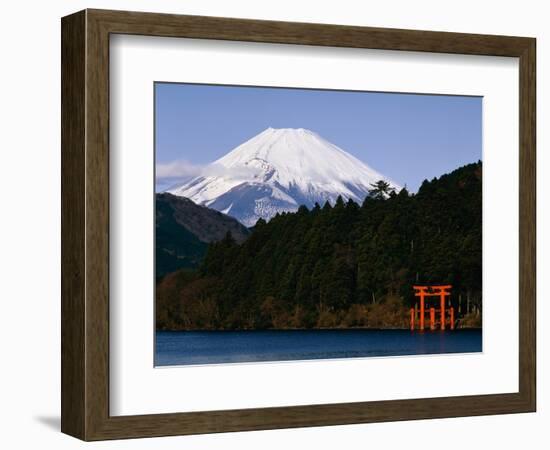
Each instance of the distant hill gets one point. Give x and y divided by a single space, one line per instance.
184 230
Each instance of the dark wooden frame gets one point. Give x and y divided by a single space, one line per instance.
85 224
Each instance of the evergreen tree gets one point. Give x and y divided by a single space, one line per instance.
380 190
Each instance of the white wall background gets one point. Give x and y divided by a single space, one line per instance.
30 221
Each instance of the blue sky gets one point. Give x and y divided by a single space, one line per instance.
407 137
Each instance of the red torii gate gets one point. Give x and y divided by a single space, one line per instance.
433 291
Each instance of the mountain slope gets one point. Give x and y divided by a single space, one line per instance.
278 170
183 231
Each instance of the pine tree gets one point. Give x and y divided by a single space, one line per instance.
380 190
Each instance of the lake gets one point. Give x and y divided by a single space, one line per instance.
215 347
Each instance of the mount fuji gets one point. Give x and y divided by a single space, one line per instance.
276 171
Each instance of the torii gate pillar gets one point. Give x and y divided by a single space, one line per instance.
442 309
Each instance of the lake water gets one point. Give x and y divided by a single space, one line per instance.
214 347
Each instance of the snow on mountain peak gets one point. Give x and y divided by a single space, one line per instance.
278 170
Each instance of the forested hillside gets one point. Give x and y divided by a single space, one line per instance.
183 231
338 266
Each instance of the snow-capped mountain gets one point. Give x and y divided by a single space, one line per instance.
279 170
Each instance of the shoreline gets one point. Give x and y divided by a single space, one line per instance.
311 329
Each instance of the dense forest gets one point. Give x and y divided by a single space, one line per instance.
341 265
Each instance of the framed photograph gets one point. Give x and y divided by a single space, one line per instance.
273 225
